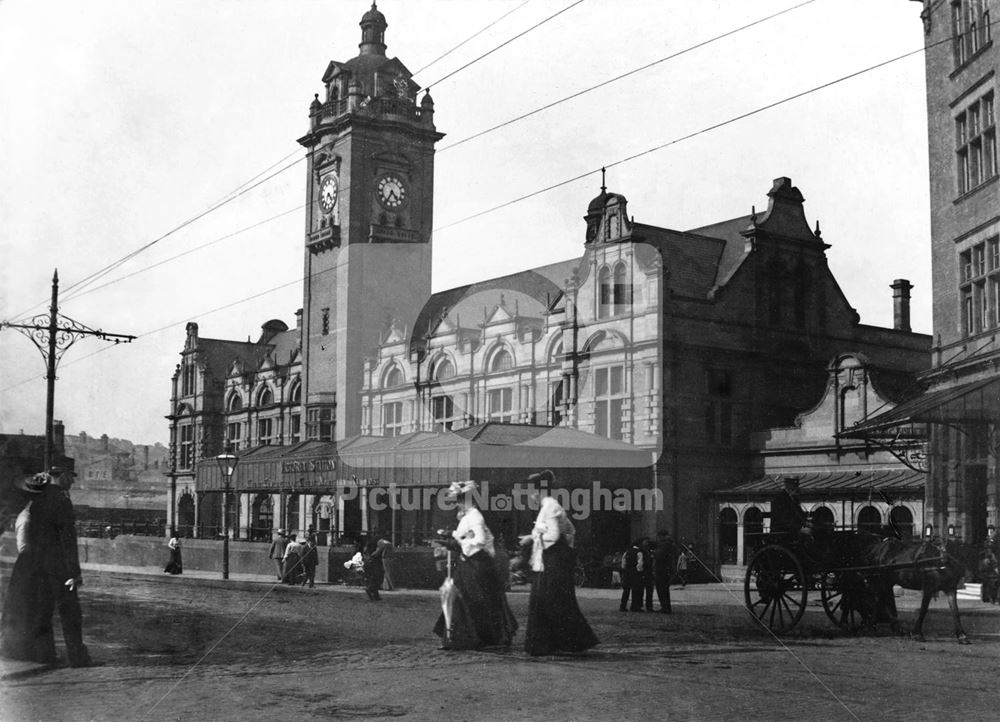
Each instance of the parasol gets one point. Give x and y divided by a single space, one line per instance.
448 595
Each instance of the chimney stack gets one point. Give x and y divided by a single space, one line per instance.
901 304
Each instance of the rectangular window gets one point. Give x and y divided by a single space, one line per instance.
186 456
234 430
442 413
719 407
609 392
295 428
499 405
979 260
187 378
967 311
392 419
265 431
320 423
975 144
325 322
556 400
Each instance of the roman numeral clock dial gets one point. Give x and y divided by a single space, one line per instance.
328 194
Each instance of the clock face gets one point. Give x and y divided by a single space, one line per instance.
328 193
391 192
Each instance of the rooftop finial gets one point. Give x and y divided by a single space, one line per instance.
604 188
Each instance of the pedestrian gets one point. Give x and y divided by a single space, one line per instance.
20 626
310 560
555 622
478 611
682 565
388 550
50 567
663 568
277 552
293 560
174 566
646 547
632 566
374 570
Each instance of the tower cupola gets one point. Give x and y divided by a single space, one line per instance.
373 27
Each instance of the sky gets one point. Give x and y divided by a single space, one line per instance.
120 122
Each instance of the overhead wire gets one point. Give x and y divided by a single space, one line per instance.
580 176
453 145
615 79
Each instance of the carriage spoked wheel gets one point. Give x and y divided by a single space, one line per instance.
775 588
847 599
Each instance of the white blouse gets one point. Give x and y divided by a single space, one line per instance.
472 533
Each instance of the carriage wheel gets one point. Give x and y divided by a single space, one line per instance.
775 588
848 600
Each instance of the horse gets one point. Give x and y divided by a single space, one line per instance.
924 566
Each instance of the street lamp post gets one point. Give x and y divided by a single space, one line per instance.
227 465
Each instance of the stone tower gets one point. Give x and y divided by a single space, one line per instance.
370 196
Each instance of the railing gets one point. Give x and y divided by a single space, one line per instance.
109 530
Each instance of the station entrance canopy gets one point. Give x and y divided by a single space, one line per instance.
974 402
502 454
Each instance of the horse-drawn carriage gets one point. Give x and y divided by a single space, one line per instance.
853 571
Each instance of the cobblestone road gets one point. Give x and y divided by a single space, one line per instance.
191 649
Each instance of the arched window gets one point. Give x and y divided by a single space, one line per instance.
822 517
235 402
604 293
444 370
296 396
870 519
901 519
753 528
622 289
265 397
557 351
393 377
501 361
728 535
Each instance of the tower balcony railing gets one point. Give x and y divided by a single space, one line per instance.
384 106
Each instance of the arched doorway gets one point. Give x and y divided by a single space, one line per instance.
753 527
870 520
901 519
728 535
292 513
185 515
262 518
822 517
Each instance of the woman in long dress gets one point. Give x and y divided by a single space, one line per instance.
174 566
555 622
23 633
480 615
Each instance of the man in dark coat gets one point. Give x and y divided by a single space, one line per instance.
787 516
51 542
632 566
664 554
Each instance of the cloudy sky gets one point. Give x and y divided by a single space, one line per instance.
122 121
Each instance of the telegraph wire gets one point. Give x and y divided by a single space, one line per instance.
503 44
615 79
71 295
474 35
72 289
689 136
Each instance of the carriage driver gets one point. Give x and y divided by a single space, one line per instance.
787 516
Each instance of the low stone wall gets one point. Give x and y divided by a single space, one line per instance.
414 568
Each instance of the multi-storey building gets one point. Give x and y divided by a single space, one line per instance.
678 344
959 411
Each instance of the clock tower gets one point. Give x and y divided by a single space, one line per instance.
369 196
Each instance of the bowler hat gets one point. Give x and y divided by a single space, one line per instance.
60 469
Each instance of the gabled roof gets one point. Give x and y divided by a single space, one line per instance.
834 483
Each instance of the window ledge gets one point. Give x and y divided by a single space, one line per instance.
968 194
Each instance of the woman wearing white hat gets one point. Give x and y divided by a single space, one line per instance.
480 616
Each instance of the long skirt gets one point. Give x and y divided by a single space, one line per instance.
555 622
480 615
24 632
174 566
